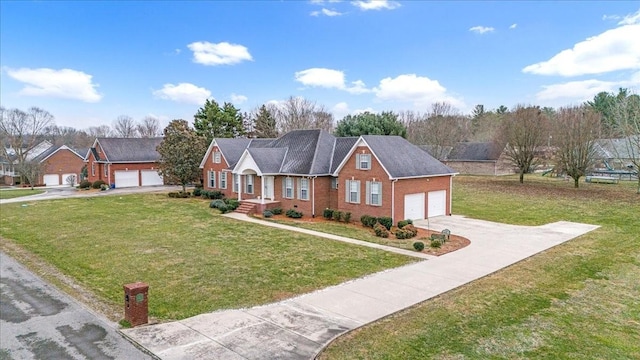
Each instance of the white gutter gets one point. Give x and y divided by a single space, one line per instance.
450 194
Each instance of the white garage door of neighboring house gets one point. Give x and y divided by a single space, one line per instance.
437 205
126 178
66 179
414 206
51 179
151 177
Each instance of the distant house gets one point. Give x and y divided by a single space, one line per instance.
124 162
475 158
617 153
311 170
61 165
8 173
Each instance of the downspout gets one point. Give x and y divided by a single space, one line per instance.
108 173
313 196
450 193
393 200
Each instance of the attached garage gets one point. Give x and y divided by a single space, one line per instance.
437 205
67 179
51 179
414 206
151 177
126 178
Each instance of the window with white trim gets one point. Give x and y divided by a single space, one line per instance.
93 169
352 191
374 193
217 158
248 184
236 177
106 171
223 179
363 161
303 189
334 183
287 188
212 179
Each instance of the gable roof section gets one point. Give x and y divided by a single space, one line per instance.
130 150
340 150
52 150
268 160
474 151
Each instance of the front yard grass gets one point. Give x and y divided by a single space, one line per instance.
10 193
578 300
193 259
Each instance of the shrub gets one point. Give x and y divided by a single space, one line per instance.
276 211
98 184
381 231
436 243
346 217
232 204
407 232
411 229
215 204
293 213
403 223
224 208
368 221
337 215
418 245
197 191
85 184
386 221
104 187
267 214
327 214
216 194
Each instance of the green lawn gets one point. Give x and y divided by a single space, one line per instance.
194 260
10 194
578 300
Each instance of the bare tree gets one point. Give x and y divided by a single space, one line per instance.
66 135
149 127
523 131
30 170
125 127
299 113
441 128
20 132
99 131
626 121
577 129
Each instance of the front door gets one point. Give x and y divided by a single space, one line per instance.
268 188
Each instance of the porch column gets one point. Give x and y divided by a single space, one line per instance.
264 189
239 187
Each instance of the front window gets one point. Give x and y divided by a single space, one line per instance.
303 192
106 170
93 169
374 193
223 179
334 182
288 188
363 161
212 179
353 191
217 158
235 182
249 184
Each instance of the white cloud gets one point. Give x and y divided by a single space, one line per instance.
326 12
513 26
238 99
184 93
365 5
585 89
419 90
340 110
223 53
63 83
615 49
329 78
481 29
630 19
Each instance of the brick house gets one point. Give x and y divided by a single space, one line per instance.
311 170
61 165
478 158
124 162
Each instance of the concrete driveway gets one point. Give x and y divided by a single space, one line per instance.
299 328
39 322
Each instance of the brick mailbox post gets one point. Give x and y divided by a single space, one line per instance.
136 303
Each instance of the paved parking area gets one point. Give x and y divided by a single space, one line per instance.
39 322
301 327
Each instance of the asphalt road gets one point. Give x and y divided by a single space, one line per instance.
39 322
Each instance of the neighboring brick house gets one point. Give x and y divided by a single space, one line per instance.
478 158
124 162
312 170
61 165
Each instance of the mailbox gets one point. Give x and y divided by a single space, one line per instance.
136 303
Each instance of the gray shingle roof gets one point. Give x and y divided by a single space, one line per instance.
46 153
130 149
232 149
269 160
341 149
615 148
403 159
474 151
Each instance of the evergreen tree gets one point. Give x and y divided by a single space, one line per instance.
265 124
181 151
367 123
211 121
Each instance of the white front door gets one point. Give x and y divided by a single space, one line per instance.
268 182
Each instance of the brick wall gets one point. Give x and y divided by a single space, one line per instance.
62 162
319 195
420 185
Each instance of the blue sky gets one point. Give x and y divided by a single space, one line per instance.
89 62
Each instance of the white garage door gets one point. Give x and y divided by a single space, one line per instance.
51 179
151 177
437 203
67 179
126 178
414 206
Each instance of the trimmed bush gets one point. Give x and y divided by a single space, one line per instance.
215 204
97 184
197 191
216 194
386 221
224 208
403 223
276 211
346 217
294 214
85 184
368 221
267 214
232 204
436 243
380 231
337 215
418 245
327 214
